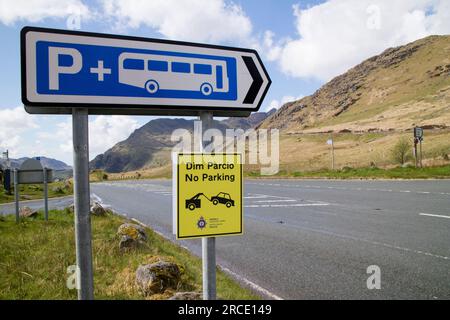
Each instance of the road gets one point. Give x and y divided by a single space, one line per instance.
315 239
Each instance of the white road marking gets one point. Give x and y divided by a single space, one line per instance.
286 205
280 200
252 284
434 215
256 197
351 189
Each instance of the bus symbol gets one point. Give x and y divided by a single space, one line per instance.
155 72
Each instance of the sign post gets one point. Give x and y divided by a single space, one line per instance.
208 243
80 133
208 203
16 193
81 73
45 194
331 143
418 138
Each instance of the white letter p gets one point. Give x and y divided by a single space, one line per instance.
54 69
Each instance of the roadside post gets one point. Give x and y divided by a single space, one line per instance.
208 243
45 194
331 143
81 74
80 134
418 138
16 193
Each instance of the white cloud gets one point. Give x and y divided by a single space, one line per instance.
104 133
38 10
277 103
14 123
336 35
193 20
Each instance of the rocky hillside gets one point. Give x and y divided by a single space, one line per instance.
150 145
396 90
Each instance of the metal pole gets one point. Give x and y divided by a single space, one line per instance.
16 193
420 153
332 154
45 195
82 202
415 152
208 244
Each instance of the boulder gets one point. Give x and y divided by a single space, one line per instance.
98 210
187 296
133 231
27 212
58 189
131 235
157 277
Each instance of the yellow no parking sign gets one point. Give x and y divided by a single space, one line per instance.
207 199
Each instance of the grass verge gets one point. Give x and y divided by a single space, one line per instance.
36 191
35 255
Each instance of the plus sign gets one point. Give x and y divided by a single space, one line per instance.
100 70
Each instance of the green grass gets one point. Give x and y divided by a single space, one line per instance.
442 172
36 191
35 255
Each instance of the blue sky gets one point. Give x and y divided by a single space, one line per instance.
303 44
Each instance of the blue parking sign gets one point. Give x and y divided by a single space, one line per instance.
126 75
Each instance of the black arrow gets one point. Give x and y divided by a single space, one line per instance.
257 80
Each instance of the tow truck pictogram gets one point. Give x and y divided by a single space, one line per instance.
222 197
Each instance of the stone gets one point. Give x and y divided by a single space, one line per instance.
98 210
157 277
126 242
133 231
131 236
27 212
58 189
187 296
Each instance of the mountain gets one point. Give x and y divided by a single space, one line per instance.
50 163
150 145
366 111
249 122
369 109
396 90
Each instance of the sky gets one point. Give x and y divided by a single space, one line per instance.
303 44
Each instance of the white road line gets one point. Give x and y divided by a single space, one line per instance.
280 200
434 215
252 284
286 205
256 197
354 189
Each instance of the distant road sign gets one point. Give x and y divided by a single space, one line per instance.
112 74
418 133
208 197
32 172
